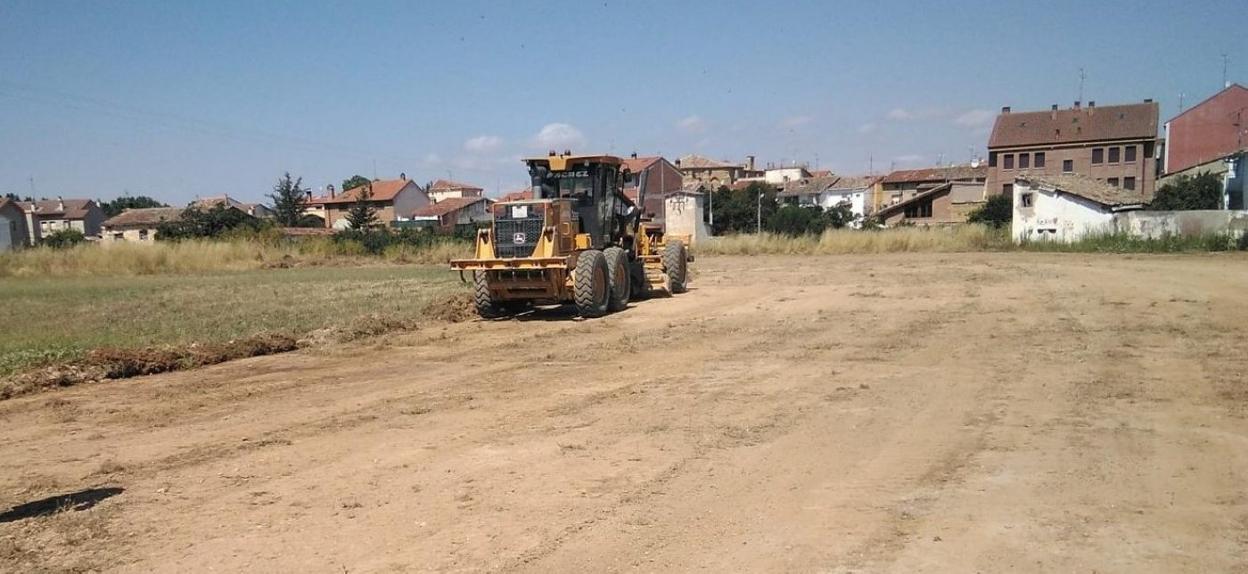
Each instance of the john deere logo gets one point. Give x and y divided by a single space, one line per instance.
519 238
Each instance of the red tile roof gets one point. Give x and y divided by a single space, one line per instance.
1087 188
446 206
700 162
73 209
446 184
637 164
930 174
518 195
382 189
1093 123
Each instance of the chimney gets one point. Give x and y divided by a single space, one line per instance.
1078 104
1148 100
677 163
331 190
1005 109
1053 113
309 194
633 155
403 176
60 204
749 162
1091 103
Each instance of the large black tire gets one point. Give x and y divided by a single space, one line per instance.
619 277
591 286
675 265
486 306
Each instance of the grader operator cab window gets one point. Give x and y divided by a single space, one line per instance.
575 184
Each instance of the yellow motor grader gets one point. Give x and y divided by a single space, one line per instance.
579 240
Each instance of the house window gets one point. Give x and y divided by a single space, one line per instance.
1024 160
922 209
1148 149
992 159
1009 161
142 235
1068 165
1039 159
1112 181
1024 200
1007 189
1115 154
119 236
1098 155
1128 183
1128 153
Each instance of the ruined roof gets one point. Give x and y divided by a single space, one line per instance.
446 206
700 162
1082 124
854 182
446 184
223 200
382 190
144 217
518 195
808 185
930 174
889 210
73 209
1085 187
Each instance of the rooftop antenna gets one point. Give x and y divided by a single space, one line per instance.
374 169
1181 95
32 187
1082 77
1225 60
871 164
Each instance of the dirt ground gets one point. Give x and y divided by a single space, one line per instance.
904 413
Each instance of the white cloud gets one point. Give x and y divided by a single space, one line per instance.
868 128
559 136
692 124
483 144
900 115
975 118
432 159
795 121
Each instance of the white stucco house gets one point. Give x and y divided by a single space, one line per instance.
1067 207
683 216
830 191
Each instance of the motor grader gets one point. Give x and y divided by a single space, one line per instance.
579 240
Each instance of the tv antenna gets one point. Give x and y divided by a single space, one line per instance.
1082 78
1225 60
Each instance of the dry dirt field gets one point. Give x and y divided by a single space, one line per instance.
904 413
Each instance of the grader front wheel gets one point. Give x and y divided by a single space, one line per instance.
485 304
675 265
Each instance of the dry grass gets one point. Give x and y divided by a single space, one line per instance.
190 257
847 241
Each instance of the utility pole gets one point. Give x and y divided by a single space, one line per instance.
760 213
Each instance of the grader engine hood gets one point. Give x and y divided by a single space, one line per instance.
518 227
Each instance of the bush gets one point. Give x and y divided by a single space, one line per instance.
212 223
64 238
997 212
1203 191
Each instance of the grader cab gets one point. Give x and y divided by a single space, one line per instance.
579 240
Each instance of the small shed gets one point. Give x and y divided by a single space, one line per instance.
1067 207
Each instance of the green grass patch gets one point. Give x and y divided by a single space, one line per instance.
55 319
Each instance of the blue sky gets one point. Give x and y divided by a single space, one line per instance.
178 99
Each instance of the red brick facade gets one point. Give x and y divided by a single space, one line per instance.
1210 130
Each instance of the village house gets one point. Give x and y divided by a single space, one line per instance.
1113 144
829 191
684 216
45 217
446 189
393 199
1068 207
781 175
662 179
714 173
905 184
257 210
13 233
138 225
454 211
948 203
1208 131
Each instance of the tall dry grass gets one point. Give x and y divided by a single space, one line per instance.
187 257
848 241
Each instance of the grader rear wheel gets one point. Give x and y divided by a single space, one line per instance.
619 276
591 284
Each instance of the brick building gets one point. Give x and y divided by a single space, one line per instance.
662 179
1112 144
1207 131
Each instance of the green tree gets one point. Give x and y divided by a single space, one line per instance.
736 211
211 223
288 197
1203 191
362 214
116 206
64 238
997 212
354 182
